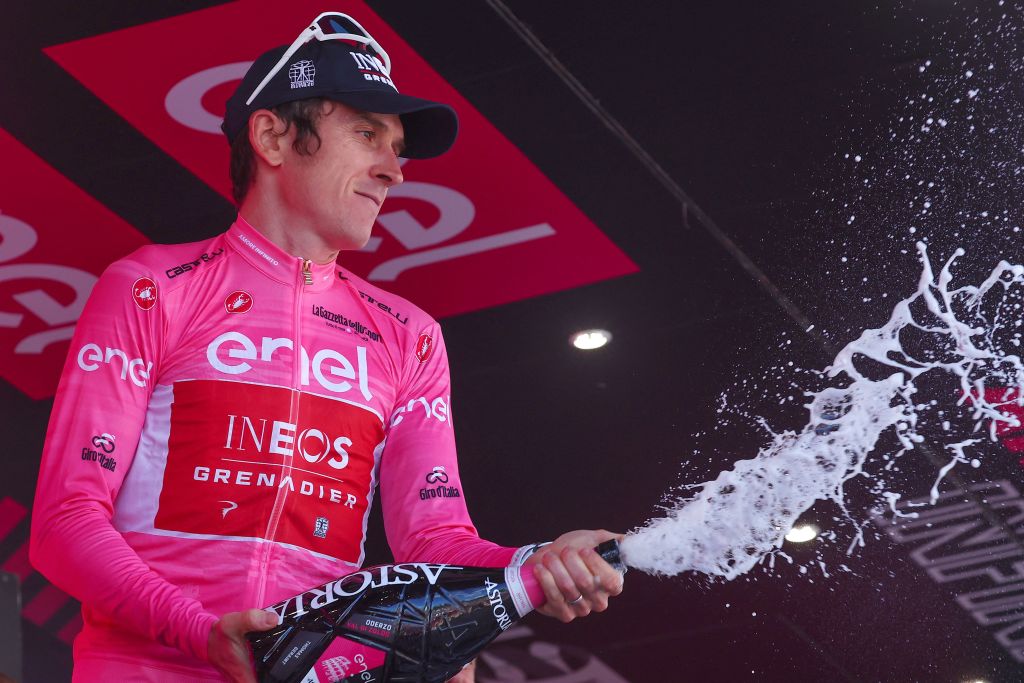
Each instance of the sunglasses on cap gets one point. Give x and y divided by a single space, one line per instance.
330 26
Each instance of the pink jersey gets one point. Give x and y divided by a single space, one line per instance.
224 417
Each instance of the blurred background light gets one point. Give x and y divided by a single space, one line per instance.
802 533
588 340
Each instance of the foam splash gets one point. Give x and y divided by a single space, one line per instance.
741 517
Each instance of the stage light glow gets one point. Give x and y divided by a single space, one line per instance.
802 533
588 340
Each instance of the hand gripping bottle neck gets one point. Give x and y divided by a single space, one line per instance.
404 623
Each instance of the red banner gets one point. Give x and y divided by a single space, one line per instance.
55 240
1011 435
477 227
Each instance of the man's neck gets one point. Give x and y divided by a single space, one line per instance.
286 231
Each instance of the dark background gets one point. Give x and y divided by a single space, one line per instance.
756 111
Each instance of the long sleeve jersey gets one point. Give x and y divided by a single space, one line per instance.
225 415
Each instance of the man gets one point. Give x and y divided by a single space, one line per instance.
228 407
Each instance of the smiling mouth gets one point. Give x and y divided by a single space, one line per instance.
373 199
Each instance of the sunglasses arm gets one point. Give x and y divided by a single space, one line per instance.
314 31
292 49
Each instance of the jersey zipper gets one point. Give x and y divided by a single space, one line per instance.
305 278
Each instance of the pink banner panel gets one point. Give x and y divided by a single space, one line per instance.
477 227
11 514
45 604
18 562
55 240
68 632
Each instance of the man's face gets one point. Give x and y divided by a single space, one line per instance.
337 190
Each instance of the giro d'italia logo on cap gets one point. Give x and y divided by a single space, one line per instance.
424 347
144 293
238 302
301 74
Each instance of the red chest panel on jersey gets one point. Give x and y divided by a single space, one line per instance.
254 461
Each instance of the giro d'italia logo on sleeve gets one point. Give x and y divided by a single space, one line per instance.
424 347
103 446
437 474
144 293
436 487
238 302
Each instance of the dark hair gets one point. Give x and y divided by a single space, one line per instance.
303 114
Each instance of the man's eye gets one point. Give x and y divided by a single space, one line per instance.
368 134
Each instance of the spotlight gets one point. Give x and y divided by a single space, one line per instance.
588 340
802 533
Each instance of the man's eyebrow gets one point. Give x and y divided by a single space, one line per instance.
379 124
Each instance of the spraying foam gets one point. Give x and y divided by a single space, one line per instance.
741 517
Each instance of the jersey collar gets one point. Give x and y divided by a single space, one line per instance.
275 261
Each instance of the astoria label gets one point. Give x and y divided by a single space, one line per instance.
354 584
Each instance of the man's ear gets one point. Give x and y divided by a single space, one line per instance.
267 136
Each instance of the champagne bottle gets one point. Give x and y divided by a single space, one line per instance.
411 622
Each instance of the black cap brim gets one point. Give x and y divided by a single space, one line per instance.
430 127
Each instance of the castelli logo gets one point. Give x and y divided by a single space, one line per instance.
238 302
144 293
424 347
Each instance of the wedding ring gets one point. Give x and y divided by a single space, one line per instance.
576 601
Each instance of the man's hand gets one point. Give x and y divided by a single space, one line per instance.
227 647
467 675
575 579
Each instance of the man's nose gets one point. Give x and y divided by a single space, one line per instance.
389 171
